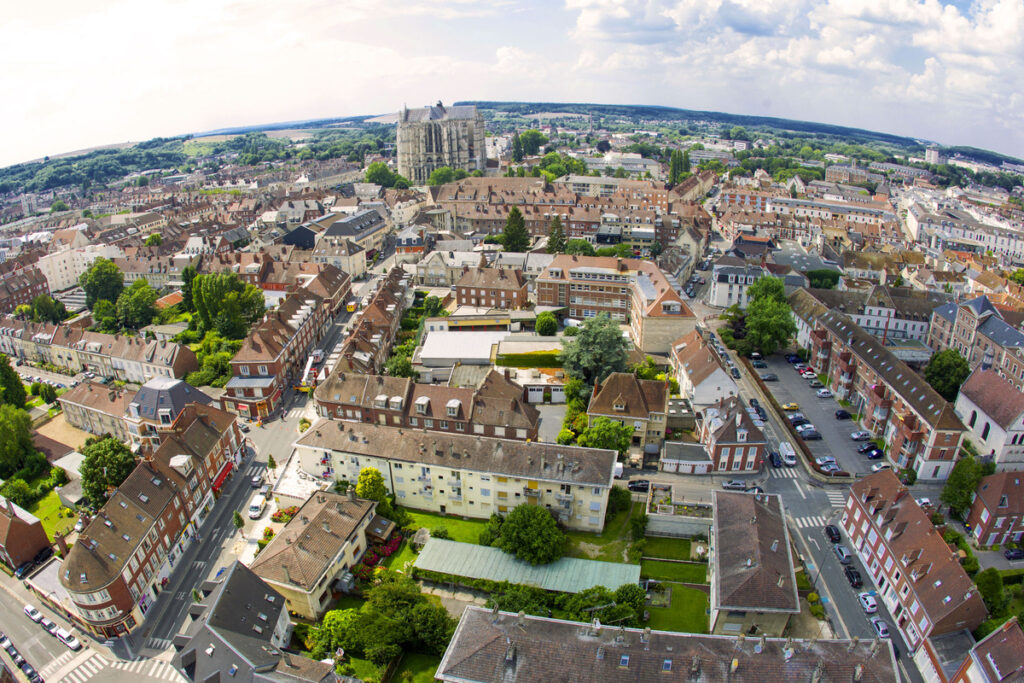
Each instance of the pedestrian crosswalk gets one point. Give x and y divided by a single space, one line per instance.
56 664
809 521
296 412
783 473
836 497
153 668
86 669
161 643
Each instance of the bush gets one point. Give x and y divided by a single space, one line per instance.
440 532
570 331
638 526
546 324
813 598
618 499
817 610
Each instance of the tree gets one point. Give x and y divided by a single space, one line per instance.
45 308
532 141
103 280
645 369
605 433
530 533
546 324
15 440
686 162
517 148
154 240
225 303
59 205
378 173
556 236
18 492
579 247
48 394
237 520
440 176
767 286
370 485
400 365
621 250
432 626
433 307
961 485
515 237
136 307
769 323
107 463
990 586
675 166
946 372
104 315
1018 276
271 463
603 146
10 384
824 278
598 350
188 276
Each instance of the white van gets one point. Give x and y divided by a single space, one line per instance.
257 506
787 453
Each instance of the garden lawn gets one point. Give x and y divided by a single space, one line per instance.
48 510
365 670
611 544
688 612
674 571
421 668
464 530
667 548
348 602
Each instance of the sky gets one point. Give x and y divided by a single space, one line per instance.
82 74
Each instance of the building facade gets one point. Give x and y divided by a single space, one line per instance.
438 136
996 515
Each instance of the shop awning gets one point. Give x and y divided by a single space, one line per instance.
222 475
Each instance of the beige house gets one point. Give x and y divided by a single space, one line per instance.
462 474
639 403
97 409
325 538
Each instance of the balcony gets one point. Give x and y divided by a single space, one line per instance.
563 497
534 493
425 478
426 492
457 497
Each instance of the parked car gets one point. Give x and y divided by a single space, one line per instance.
799 422
830 468
33 614
808 374
865 447
775 459
735 485
832 533
795 416
881 628
68 639
825 459
815 384
843 414
48 625
754 403
868 602
23 570
853 576
43 555
256 481
803 427
823 393
791 406
792 358
810 435
754 489
874 453
243 426
878 467
799 367
769 377
79 525
1014 553
860 436
735 373
758 364
639 485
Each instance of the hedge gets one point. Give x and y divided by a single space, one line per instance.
538 359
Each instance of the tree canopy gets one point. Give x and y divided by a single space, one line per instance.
598 350
11 384
556 236
603 432
546 324
15 439
579 247
532 140
154 240
946 372
517 148
530 533
136 306
515 236
961 484
107 463
378 173
768 322
102 281
825 278
225 303
43 308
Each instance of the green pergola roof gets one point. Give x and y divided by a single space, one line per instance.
567 575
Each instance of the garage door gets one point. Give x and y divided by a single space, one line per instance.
535 394
557 395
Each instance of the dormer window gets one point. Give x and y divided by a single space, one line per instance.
422 403
380 401
396 403
453 407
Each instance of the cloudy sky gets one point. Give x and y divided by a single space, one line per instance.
78 74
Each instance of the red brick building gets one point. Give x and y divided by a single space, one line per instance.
997 511
21 534
731 438
491 288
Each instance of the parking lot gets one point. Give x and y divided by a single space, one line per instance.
835 434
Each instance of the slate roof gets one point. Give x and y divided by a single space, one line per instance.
641 397
497 648
164 393
997 397
1000 655
695 357
993 487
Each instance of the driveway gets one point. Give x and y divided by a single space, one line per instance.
551 415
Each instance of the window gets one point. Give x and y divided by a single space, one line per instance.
245 370
666 665
262 369
624 661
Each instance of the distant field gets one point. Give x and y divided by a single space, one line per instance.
557 115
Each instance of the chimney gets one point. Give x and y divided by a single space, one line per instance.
352 493
327 528
62 545
287 575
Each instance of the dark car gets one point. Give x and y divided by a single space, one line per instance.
769 377
843 414
815 384
759 364
799 421
754 489
24 569
735 373
641 485
874 454
43 555
761 413
865 447
754 403
810 435
1014 553
853 576
832 533
775 458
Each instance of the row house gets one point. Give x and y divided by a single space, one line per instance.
491 288
97 409
63 268
917 574
273 355
980 333
996 515
702 376
851 213
445 268
604 186
22 288
638 403
22 535
993 410
730 280
627 290
124 557
919 428
324 280
730 437
158 271
462 474
368 345
499 407
885 312
995 658
343 254
121 357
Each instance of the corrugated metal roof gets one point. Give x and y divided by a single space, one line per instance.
567 575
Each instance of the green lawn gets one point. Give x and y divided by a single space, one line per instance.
667 548
420 667
464 530
674 571
687 613
47 509
610 545
364 668
348 602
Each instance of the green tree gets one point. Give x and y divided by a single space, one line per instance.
154 240
15 439
769 323
59 205
103 280
620 172
237 520
517 148
433 307
824 278
18 492
633 596
675 167
226 304
990 586
47 309
605 433
513 597
530 533
188 276
48 394
104 316
400 365
1018 276
440 176
546 324
370 485
271 463
532 141
515 236
378 173
646 369
136 307
620 250
597 351
10 383
579 247
432 626
961 485
686 162
946 372
556 236
107 463
767 287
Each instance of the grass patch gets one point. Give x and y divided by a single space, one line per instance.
533 359
348 602
364 669
688 612
667 548
611 544
420 668
48 509
33 402
674 571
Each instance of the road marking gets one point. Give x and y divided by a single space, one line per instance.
70 666
836 498
779 473
57 663
810 567
809 521
799 489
